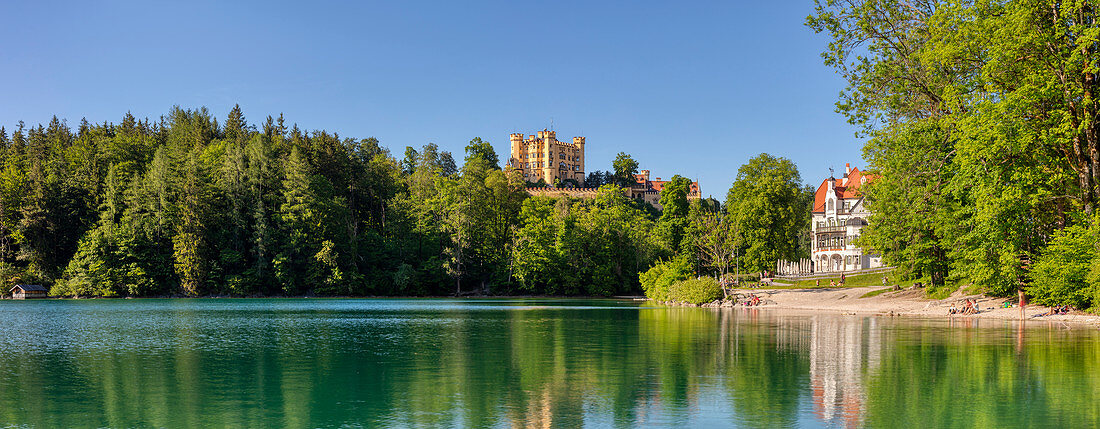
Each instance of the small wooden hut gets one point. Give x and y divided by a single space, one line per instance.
28 292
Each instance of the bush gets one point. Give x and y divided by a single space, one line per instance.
657 281
696 291
1061 274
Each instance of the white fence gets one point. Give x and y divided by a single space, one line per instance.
784 271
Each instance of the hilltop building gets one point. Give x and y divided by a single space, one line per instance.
839 216
542 156
642 189
650 190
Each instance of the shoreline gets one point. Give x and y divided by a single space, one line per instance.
905 303
84 298
836 300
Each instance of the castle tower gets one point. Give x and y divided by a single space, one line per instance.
579 143
546 138
518 153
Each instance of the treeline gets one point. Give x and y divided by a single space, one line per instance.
984 129
193 206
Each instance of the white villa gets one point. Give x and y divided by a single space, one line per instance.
838 217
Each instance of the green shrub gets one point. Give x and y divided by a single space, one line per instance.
696 291
1060 275
657 280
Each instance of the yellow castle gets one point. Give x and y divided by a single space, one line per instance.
542 156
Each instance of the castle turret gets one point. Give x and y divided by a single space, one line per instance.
579 173
547 138
517 158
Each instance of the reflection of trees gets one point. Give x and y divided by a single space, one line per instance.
764 377
193 366
969 377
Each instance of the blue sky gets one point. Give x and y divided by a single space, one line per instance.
689 88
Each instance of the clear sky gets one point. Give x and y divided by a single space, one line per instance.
689 88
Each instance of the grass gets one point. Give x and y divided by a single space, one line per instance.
856 280
876 292
941 292
874 279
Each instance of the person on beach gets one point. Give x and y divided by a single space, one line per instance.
953 309
971 307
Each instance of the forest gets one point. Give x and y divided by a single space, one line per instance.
188 205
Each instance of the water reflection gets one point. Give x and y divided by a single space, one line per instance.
842 350
508 363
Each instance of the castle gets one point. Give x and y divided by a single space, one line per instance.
542 156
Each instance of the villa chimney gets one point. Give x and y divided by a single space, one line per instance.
847 169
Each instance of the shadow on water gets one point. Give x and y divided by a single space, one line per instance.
566 363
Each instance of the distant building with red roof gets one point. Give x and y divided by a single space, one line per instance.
839 215
642 189
650 190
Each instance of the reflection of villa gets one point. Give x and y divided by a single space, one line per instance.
838 217
841 350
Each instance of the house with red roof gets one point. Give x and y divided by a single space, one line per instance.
839 215
642 189
650 190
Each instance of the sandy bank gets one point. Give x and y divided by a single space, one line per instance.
901 303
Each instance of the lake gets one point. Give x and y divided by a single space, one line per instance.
529 362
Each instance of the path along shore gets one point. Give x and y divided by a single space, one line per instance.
905 302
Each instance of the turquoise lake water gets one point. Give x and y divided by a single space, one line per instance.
301 363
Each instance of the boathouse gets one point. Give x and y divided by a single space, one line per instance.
28 292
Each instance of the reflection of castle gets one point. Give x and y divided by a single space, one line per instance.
841 349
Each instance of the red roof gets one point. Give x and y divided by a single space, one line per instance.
844 188
657 185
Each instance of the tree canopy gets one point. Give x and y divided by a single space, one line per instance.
983 126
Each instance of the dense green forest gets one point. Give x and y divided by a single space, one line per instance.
192 206
983 125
